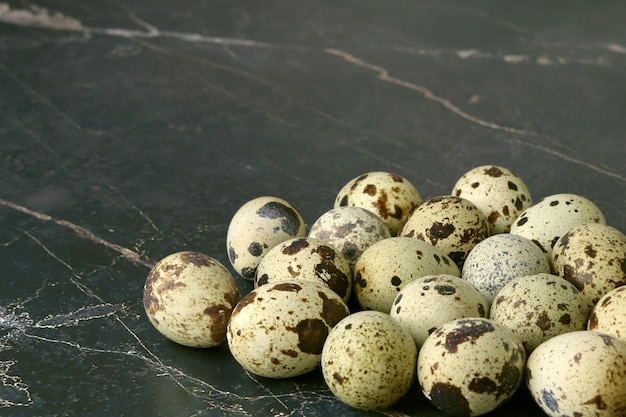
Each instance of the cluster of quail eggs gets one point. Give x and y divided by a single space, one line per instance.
471 295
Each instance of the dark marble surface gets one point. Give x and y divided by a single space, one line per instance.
132 130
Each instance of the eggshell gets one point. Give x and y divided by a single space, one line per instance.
349 229
579 374
499 259
188 297
430 301
258 226
609 314
538 307
306 258
545 222
470 366
453 224
278 330
390 196
387 266
369 361
498 192
593 258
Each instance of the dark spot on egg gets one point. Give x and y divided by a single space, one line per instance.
350 250
550 401
481 310
482 385
522 221
449 399
255 249
398 309
512 186
565 319
475 184
396 178
519 204
333 310
445 289
344 201
396 281
590 251
555 203
245 301
286 286
493 217
466 331
232 255
248 272
439 231
597 402
539 245
505 210
311 335
262 280
296 246
290 221
494 172
457 193
457 256
370 189
340 379
197 259
608 341
219 314
289 352
543 321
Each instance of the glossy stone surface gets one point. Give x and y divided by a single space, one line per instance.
132 130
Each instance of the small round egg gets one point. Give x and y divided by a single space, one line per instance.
392 197
349 229
500 258
545 222
593 258
539 307
470 366
609 314
453 224
188 297
306 258
369 361
430 301
278 330
579 374
387 266
498 192
258 226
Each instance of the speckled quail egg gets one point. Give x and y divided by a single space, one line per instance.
350 230
545 222
278 330
453 224
388 265
470 366
593 258
579 374
538 307
258 226
188 297
498 192
306 258
390 196
499 259
430 301
369 361
609 314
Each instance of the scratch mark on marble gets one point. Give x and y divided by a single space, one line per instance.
81 232
75 317
383 75
39 96
13 392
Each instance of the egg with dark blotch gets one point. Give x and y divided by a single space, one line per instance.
547 220
498 192
387 266
609 314
591 256
188 297
579 374
390 196
433 300
452 224
306 258
495 261
470 366
369 361
539 307
258 226
278 330
350 230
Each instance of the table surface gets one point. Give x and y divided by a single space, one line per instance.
130 130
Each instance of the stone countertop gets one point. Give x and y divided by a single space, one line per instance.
132 130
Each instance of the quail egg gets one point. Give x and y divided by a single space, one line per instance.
453 224
538 307
545 222
593 258
188 297
500 258
498 192
369 361
430 301
278 330
349 229
390 196
579 374
609 314
387 266
470 366
259 225
306 258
